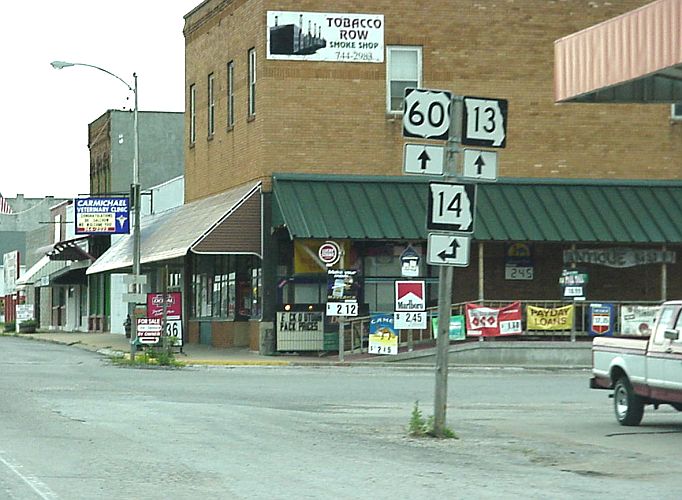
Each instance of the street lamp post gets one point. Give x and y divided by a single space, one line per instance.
135 191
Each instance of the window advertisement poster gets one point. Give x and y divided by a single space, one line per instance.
518 262
484 321
549 318
102 215
342 292
457 328
317 36
601 319
637 320
383 338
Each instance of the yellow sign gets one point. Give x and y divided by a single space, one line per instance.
306 259
540 318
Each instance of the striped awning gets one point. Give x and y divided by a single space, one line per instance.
511 209
635 58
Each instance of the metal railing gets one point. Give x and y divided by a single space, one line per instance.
357 329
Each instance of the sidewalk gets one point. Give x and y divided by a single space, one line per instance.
112 344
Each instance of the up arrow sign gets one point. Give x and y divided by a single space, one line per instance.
479 165
423 159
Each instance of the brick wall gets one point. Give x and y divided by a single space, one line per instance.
329 117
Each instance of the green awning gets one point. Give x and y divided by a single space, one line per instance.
511 209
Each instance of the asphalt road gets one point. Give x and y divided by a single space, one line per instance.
73 426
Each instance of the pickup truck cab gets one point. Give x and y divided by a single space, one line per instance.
642 371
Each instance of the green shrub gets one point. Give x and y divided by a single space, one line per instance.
421 427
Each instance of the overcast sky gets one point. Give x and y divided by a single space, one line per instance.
45 112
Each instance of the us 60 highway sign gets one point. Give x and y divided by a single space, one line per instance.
484 122
426 113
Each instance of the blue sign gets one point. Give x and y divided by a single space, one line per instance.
102 215
601 319
381 322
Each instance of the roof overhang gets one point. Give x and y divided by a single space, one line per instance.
41 269
511 209
73 249
632 58
210 225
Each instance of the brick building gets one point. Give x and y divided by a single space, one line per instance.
328 100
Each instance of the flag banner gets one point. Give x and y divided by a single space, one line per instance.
541 318
493 321
5 207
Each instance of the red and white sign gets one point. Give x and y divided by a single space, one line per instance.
329 253
410 296
493 321
149 330
173 305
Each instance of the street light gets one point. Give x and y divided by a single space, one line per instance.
135 188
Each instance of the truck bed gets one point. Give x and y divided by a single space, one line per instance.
620 344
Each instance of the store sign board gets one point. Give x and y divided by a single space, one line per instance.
102 215
317 36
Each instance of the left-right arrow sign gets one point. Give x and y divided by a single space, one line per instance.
423 159
447 249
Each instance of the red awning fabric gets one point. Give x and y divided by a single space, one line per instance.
633 58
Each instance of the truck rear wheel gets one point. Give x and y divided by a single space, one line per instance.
628 406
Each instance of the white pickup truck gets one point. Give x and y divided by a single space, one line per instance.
642 371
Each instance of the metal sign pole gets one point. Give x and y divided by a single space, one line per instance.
445 276
445 283
342 326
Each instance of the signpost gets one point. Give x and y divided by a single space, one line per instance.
484 122
423 159
479 165
426 114
477 121
451 207
448 249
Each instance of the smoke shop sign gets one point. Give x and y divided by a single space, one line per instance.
618 257
318 36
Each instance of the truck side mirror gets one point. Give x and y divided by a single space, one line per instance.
671 334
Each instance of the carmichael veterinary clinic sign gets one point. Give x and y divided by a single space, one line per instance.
102 215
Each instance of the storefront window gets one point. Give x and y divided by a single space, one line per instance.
226 287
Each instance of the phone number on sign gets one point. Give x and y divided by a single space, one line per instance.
354 56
